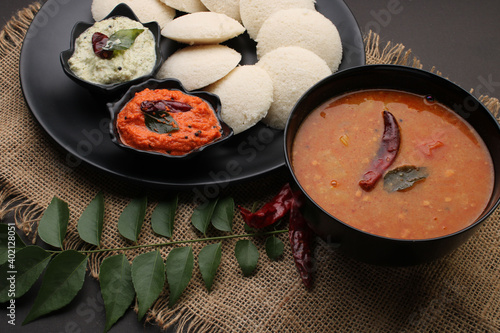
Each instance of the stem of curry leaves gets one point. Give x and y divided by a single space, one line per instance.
189 241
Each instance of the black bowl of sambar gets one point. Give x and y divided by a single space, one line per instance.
400 166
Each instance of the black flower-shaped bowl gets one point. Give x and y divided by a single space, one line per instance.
171 84
111 89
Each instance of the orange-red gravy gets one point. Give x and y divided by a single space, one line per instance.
197 127
337 142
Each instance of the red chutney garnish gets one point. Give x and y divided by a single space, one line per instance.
195 126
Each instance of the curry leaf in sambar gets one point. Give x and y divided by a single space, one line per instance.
63 279
179 266
209 260
404 177
247 255
91 221
132 218
54 223
117 289
148 277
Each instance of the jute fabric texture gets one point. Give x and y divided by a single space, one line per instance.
458 293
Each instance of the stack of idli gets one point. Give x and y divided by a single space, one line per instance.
296 47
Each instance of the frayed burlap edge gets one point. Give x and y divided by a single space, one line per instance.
14 31
11 201
26 213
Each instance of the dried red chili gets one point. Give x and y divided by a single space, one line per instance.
99 41
300 235
386 154
271 212
164 105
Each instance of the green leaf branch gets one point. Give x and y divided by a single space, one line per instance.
122 281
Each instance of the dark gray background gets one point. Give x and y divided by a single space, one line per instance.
459 37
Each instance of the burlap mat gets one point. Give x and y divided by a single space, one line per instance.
459 293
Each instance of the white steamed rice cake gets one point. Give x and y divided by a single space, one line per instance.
186 6
199 65
202 28
255 12
301 27
246 94
229 7
145 10
293 70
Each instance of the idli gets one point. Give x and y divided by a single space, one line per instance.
293 70
301 27
145 10
246 94
200 65
255 12
229 7
186 6
202 28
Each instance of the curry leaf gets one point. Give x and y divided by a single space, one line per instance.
247 255
222 218
274 247
91 221
160 122
27 268
132 218
54 223
148 277
117 289
9 239
162 219
209 260
202 215
122 39
180 263
63 279
404 177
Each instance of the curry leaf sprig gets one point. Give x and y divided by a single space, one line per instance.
122 281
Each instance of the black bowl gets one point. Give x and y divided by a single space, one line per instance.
377 249
172 84
115 88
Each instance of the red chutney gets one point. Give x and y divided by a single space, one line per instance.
197 127
338 141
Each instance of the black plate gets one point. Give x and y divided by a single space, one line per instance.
78 121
